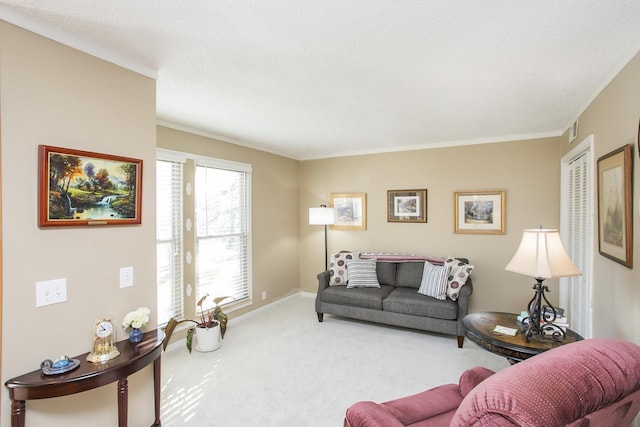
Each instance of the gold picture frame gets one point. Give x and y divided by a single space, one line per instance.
615 222
479 212
350 211
407 205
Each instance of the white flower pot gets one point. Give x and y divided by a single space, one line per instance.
208 339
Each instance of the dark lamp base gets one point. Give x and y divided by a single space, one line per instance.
539 324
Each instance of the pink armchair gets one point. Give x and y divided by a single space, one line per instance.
594 382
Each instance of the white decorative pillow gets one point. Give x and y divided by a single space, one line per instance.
338 268
362 273
458 276
434 281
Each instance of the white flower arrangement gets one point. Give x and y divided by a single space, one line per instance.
136 319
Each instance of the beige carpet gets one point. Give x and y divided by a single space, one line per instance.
282 368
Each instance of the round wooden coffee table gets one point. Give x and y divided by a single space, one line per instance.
480 329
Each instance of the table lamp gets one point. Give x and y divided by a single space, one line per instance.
542 256
322 216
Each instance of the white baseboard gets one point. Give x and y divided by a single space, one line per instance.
263 308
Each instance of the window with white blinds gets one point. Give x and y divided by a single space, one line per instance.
580 241
169 239
223 229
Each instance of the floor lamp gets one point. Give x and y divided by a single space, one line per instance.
322 216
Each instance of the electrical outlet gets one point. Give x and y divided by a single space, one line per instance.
51 292
126 277
264 294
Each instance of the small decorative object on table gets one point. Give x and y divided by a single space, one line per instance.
104 342
60 366
505 330
136 320
135 335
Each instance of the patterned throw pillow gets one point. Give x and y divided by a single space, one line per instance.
338 268
434 281
362 273
458 276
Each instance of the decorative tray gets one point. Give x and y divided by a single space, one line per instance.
60 366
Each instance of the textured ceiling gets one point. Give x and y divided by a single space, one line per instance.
312 79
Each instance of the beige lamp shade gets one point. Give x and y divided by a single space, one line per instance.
542 255
321 216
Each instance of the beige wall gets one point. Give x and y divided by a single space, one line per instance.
612 118
529 171
274 204
54 95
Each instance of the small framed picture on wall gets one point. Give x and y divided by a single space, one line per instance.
479 212
407 205
350 211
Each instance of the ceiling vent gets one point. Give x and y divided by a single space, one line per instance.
573 132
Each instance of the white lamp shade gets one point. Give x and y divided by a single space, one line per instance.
321 216
542 255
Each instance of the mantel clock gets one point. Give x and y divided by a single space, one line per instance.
104 339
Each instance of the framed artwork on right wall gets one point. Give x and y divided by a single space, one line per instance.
615 222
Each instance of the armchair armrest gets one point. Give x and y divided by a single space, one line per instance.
369 414
424 405
407 410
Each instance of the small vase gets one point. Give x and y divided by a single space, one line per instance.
135 335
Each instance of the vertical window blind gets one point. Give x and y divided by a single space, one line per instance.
223 229
169 239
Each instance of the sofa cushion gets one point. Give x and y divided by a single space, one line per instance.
408 301
338 275
458 276
386 273
357 297
434 281
362 273
409 274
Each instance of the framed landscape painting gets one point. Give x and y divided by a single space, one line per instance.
80 188
479 212
350 211
407 205
615 222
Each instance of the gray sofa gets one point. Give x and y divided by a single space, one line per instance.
397 301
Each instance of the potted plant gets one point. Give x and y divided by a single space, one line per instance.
209 329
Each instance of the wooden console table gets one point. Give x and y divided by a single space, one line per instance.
133 357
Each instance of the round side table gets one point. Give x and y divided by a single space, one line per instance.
479 328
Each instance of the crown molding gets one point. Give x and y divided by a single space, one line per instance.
45 30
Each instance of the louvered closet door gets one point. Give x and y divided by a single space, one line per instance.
580 241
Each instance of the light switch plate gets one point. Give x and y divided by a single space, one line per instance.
51 292
126 277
